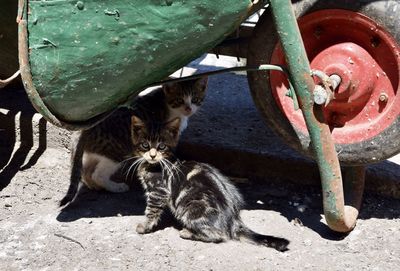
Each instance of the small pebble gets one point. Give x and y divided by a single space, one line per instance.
302 208
297 222
307 242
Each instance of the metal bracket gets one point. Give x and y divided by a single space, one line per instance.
5 82
325 93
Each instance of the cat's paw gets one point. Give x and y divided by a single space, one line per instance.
185 234
142 229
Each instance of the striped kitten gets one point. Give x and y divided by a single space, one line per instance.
184 99
99 152
199 196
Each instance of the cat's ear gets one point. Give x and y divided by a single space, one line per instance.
173 127
136 124
168 88
136 121
201 83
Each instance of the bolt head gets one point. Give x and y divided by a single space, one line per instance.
320 95
383 97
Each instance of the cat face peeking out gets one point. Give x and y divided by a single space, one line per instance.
186 97
154 142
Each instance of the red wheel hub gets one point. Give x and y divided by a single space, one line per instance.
367 59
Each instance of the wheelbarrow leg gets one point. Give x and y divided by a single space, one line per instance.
340 217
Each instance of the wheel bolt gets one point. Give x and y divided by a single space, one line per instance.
320 95
383 97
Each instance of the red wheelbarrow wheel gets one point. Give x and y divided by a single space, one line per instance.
360 43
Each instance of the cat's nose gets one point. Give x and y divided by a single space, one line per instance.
188 109
153 153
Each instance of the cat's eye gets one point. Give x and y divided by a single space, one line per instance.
195 100
145 145
161 146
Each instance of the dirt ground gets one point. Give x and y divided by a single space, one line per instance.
98 232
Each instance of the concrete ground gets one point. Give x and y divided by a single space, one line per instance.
98 233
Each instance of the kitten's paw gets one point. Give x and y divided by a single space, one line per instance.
186 234
142 229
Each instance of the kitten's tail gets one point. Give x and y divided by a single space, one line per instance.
243 233
76 169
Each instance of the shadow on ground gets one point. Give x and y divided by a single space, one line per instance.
94 204
91 203
299 205
16 107
303 205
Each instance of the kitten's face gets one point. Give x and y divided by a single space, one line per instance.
185 97
154 142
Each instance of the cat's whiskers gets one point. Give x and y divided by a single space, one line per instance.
124 162
177 165
130 158
129 170
175 170
171 169
178 162
130 166
168 166
165 166
135 165
162 164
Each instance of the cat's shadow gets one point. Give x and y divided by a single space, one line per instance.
91 203
95 204
300 206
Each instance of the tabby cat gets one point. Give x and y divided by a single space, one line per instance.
99 152
198 195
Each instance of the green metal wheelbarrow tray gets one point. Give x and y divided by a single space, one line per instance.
79 60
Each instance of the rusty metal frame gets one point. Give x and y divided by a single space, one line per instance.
340 212
23 55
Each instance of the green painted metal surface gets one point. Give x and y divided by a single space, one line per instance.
340 217
88 56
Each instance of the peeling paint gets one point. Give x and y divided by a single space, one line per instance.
158 37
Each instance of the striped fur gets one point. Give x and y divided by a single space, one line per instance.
99 152
200 196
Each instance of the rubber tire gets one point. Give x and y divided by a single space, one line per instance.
261 45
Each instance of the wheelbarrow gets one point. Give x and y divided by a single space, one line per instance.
79 60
